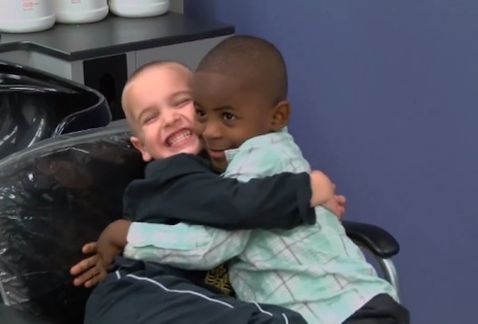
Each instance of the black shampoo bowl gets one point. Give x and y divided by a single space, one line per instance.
35 105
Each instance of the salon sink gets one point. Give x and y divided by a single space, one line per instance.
55 196
35 105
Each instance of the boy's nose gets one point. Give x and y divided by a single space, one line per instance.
211 131
170 117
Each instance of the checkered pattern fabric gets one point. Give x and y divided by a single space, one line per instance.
315 270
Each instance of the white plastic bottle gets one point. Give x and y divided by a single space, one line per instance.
139 8
24 16
80 11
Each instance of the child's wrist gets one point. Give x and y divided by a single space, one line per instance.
120 233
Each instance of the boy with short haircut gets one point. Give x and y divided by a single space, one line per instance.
240 91
158 105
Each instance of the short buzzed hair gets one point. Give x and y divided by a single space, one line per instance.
253 58
152 64
139 71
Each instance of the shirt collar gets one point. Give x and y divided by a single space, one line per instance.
230 154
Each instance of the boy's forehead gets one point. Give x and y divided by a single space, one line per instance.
213 90
155 84
216 85
168 77
216 76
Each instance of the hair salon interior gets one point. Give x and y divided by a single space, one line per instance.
384 98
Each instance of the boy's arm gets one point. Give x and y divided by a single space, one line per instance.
187 191
208 246
93 269
184 246
149 245
145 243
199 247
197 196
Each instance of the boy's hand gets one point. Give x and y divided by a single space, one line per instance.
341 201
323 193
91 270
336 205
113 240
323 190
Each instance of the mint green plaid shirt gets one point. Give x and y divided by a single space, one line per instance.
315 270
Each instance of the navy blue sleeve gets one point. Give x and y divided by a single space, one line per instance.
184 189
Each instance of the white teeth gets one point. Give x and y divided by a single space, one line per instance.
176 138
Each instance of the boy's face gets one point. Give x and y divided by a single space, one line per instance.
232 112
159 105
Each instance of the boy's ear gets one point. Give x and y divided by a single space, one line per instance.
138 144
280 115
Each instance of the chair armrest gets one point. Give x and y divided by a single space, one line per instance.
376 239
9 315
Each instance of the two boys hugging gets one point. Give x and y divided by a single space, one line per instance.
288 262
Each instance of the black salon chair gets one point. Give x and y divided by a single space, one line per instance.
54 197
61 193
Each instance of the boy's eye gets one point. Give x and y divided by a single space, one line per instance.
227 116
201 114
148 119
182 102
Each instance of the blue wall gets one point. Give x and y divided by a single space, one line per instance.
385 99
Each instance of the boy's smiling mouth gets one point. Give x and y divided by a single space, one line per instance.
215 154
179 138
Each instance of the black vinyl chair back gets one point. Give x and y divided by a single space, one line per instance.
54 197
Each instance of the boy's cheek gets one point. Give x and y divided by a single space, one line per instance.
199 127
202 145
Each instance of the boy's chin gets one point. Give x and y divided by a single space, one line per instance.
219 166
191 150
203 153
194 150
215 165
